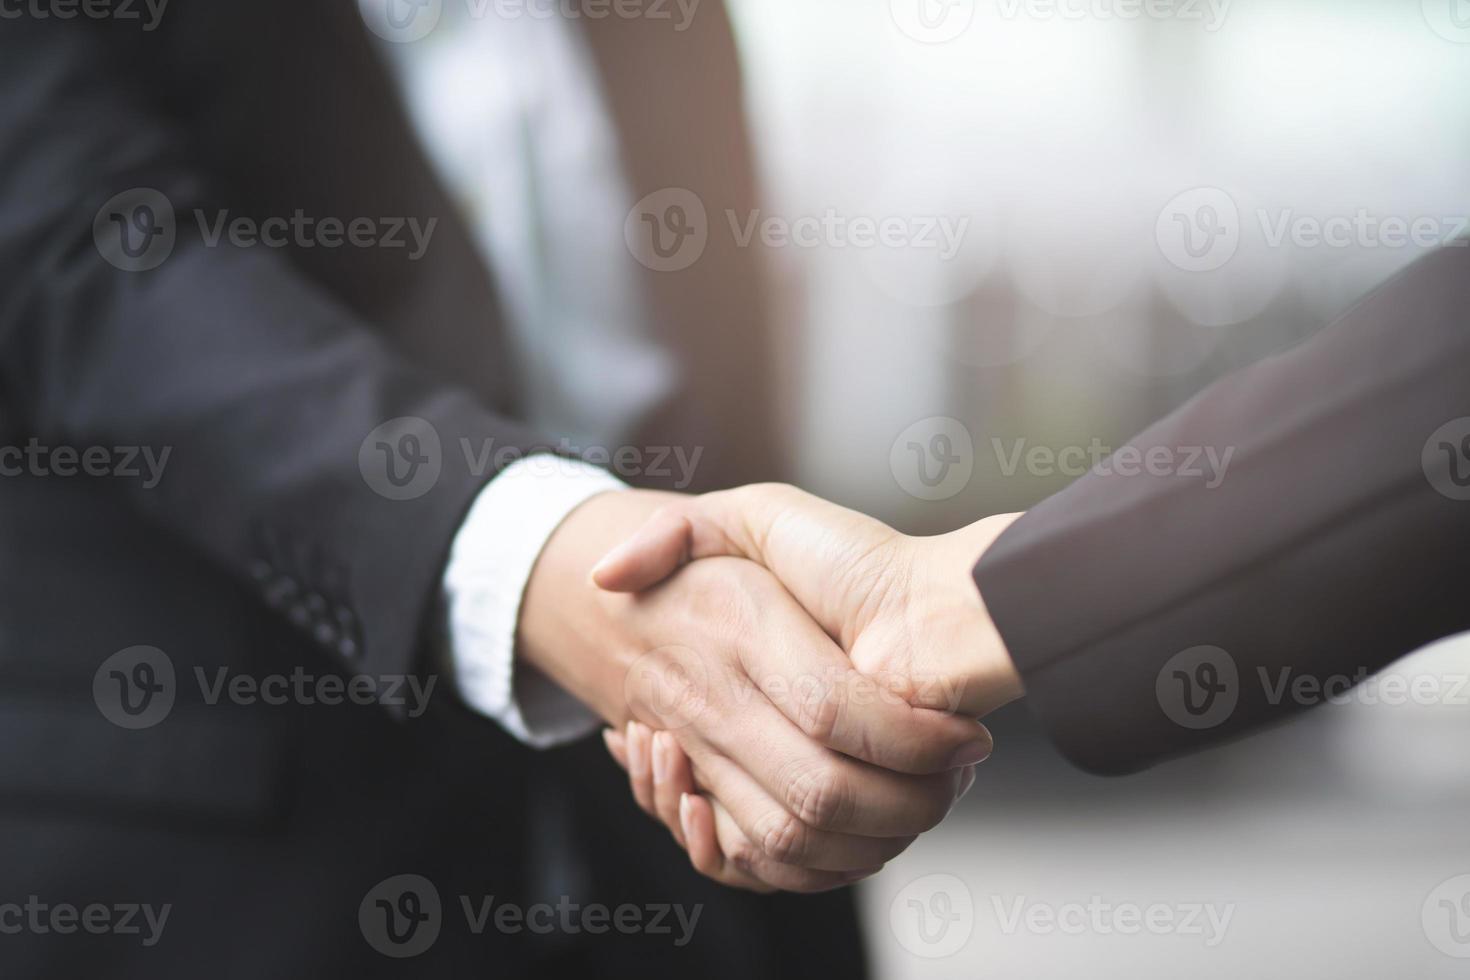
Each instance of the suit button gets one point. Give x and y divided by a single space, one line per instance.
281 591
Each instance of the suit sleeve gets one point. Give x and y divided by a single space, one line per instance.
261 387
1154 615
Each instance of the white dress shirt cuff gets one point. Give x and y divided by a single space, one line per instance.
489 565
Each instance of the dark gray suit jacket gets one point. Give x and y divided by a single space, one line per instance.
1153 615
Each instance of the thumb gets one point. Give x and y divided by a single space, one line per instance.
654 552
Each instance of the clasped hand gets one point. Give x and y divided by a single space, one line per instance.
793 686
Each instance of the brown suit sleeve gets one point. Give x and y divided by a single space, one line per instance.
1154 615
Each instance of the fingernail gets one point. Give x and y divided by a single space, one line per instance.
607 739
971 753
604 563
661 761
967 779
684 814
637 751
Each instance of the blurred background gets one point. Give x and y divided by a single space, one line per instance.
1102 156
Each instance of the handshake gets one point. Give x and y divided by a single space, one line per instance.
793 687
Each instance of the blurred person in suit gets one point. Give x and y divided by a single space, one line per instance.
354 278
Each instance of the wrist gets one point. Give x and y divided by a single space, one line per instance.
986 676
569 630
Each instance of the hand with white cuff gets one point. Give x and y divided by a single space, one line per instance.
813 775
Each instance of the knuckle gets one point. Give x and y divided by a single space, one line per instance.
818 713
785 840
744 858
820 797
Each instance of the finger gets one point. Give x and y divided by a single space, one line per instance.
672 778
651 555
617 746
781 837
743 523
731 523
806 675
743 857
640 765
697 821
824 789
